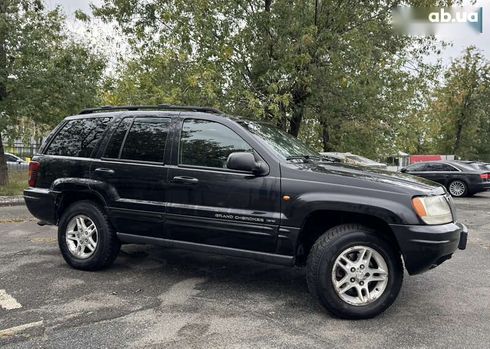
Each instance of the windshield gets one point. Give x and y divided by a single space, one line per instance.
282 142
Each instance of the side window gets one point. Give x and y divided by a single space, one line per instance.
434 167
146 140
448 168
78 137
10 158
115 143
207 143
417 168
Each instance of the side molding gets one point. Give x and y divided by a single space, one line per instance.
227 251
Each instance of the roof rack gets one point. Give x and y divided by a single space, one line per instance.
151 107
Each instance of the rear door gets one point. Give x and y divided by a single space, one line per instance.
442 173
133 174
210 204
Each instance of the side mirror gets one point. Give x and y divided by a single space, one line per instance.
244 161
403 170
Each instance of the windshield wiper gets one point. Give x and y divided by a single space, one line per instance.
303 157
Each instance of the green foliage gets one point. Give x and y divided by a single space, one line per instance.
45 74
336 66
49 74
461 108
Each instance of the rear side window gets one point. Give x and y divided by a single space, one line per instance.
117 139
146 140
207 143
78 137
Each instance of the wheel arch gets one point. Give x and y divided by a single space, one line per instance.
71 190
319 221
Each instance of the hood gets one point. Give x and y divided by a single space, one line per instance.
365 177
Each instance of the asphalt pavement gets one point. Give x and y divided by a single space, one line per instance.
164 298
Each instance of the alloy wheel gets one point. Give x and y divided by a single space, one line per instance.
81 236
457 188
360 275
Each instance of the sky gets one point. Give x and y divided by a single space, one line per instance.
460 38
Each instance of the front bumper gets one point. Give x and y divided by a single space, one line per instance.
426 246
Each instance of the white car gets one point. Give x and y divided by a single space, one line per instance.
15 163
354 159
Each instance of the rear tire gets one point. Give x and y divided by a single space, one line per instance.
324 273
458 188
86 238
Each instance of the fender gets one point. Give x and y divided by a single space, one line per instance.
87 186
391 212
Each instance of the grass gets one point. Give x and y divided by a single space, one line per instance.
17 183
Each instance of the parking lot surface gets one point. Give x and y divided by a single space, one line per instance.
163 298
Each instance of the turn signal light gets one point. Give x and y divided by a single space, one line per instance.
34 168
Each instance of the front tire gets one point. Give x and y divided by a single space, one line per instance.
86 238
354 273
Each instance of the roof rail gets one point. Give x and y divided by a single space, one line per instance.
151 107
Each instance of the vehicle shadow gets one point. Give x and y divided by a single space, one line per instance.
225 277
237 280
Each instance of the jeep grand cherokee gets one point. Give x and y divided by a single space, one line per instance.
194 178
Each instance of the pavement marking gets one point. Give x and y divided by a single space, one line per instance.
8 302
12 331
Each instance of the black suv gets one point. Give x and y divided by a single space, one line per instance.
194 178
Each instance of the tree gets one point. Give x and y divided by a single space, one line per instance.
46 74
461 107
335 65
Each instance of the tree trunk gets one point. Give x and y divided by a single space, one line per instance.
3 89
4 175
296 119
325 137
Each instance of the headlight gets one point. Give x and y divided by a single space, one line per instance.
433 209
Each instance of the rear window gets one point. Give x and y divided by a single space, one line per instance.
78 137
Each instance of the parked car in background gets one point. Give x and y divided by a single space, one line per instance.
14 163
478 165
460 179
354 159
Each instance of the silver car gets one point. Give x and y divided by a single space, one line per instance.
14 163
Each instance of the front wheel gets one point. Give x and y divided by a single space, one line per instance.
354 273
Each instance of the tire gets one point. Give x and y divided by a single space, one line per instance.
322 269
458 188
98 253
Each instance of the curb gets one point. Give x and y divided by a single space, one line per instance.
11 201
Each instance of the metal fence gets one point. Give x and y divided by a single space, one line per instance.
22 150
18 167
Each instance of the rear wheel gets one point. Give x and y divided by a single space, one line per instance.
354 273
458 188
86 238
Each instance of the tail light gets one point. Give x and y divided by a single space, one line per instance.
34 168
485 176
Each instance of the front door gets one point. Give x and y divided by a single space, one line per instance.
132 168
210 204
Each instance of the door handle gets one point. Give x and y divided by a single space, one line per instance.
185 180
104 170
